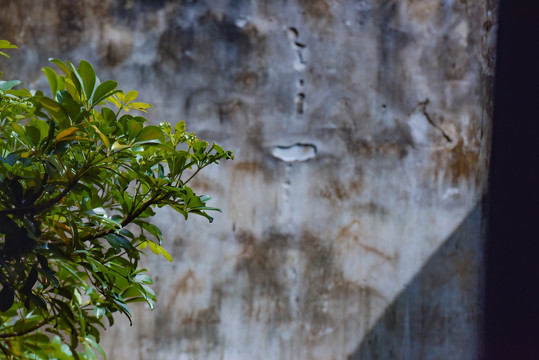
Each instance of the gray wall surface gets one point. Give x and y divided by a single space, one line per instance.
352 224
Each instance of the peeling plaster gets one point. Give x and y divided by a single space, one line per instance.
297 152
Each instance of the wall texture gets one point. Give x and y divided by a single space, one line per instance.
352 218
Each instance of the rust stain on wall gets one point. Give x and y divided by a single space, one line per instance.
461 163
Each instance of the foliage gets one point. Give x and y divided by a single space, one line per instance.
78 181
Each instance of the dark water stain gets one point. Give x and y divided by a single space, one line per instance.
218 45
199 327
393 76
173 47
323 291
261 261
394 142
131 12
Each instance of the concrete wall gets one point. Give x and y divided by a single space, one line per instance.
352 218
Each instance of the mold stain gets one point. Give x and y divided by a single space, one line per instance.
199 328
325 291
394 141
261 262
321 291
225 46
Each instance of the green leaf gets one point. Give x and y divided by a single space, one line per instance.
118 146
139 106
150 133
73 108
103 137
118 241
77 296
165 254
62 66
77 80
202 213
143 278
7 85
92 342
99 312
23 93
134 128
180 127
55 110
103 91
154 248
33 133
66 133
4 44
151 228
131 95
53 79
88 79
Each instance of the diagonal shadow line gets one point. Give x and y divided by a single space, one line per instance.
439 313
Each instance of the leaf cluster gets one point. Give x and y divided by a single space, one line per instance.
80 176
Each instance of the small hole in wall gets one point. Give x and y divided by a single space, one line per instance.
300 58
301 82
293 33
300 99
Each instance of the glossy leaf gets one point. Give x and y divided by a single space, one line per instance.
102 136
8 85
103 91
150 133
53 79
87 75
66 133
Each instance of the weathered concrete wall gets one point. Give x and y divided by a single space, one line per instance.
351 225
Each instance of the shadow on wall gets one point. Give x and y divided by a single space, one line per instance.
439 313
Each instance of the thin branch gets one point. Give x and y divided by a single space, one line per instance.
26 331
37 208
45 205
196 172
129 219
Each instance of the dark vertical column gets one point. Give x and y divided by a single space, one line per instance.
512 308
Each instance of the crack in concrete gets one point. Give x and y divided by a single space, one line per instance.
423 108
